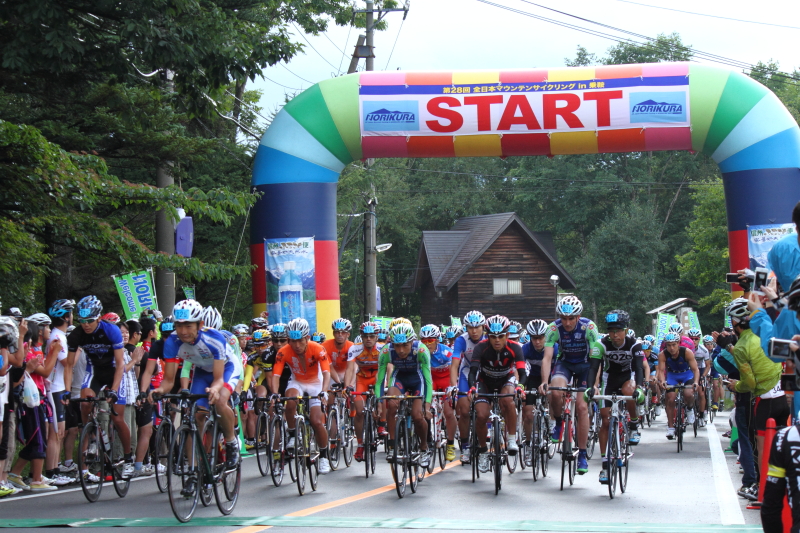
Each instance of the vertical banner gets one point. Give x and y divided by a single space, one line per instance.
189 293
664 320
136 292
760 240
291 282
728 323
455 321
383 321
694 321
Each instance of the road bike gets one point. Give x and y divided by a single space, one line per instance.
618 448
370 439
568 447
341 431
263 443
680 413
406 453
306 450
535 450
498 453
595 422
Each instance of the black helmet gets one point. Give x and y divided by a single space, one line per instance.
617 319
793 295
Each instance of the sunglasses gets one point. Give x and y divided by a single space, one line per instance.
500 336
373 336
695 338
280 341
86 320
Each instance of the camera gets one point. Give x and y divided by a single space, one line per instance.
781 348
760 279
735 277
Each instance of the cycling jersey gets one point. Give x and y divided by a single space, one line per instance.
209 346
533 358
687 343
679 364
412 374
783 473
462 350
257 365
618 363
307 368
337 357
701 356
99 348
285 375
494 366
575 345
367 360
441 360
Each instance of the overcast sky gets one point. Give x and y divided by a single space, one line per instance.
468 34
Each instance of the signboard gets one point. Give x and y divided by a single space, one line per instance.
664 320
383 321
455 321
136 292
291 282
760 240
694 321
189 292
508 108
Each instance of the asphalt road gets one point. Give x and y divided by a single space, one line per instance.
667 491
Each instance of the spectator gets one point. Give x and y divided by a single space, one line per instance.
73 414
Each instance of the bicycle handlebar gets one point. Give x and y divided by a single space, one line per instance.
179 396
402 398
565 389
612 397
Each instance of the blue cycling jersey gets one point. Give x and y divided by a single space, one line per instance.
209 346
575 345
533 358
678 365
442 358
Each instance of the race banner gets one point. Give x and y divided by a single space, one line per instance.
663 322
694 321
728 323
291 282
760 240
455 321
509 108
382 321
189 292
136 292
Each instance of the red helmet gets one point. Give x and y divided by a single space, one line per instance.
112 318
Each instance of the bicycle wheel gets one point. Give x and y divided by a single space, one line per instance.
442 439
594 429
544 444
182 475
226 482
532 450
497 457
262 442
312 461
300 455
624 454
374 440
91 460
161 453
206 488
121 485
334 440
290 454
399 461
511 460
522 442
679 427
431 446
573 465
369 443
276 454
348 434
566 451
611 454
473 447
552 447
696 421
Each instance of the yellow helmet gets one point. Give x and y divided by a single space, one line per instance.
399 320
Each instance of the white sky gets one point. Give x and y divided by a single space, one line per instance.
467 34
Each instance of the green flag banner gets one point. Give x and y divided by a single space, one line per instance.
728 323
664 320
189 293
455 321
383 321
694 322
136 292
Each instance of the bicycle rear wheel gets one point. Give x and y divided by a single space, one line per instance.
91 460
400 462
415 472
497 457
161 453
300 455
348 441
594 429
276 457
313 456
262 442
182 475
226 482
334 440
121 485
624 454
612 454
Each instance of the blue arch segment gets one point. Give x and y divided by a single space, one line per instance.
760 196
294 210
274 166
782 150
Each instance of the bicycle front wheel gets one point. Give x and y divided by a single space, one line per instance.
313 456
400 459
369 443
182 475
497 457
347 432
276 454
161 452
226 481
91 463
334 438
300 455
544 444
206 488
624 453
262 442
121 485
611 455
566 452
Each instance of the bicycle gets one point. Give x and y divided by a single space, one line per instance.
680 413
97 453
567 445
277 437
595 422
263 443
537 449
618 452
306 450
437 431
341 431
197 462
405 456
370 438
498 453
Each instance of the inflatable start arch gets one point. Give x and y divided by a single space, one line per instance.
740 123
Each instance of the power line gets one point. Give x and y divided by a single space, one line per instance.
711 16
311 45
282 85
345 48
297 75
248 105
333 43
395 44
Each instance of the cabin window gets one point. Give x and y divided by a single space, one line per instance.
504 286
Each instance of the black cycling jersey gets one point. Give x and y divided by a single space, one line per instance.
99 345
784 469
496 366
287 372
622 361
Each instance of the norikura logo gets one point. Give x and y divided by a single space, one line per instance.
393 115
666 106
649 106
384 116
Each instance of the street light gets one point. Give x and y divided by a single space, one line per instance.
554 282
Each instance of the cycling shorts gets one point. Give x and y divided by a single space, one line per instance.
365 384
201 380
577 373
531 384
463 384
487 386
312 388
714 373
612 384
441 380
144 414
60 408
408 383
679 379
96 379
775 408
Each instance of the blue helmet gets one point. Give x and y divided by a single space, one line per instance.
672 337
61 308
89 307
473 319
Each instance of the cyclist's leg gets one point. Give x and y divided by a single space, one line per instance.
580 380
462 409
482 415
509 410
420 423
391 410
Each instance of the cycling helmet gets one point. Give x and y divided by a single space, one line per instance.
514 329
430 331
647 345
168 325
649 338
212 318
497 325
241 330
9 333
452 332
280 331
694 332
474 319
672 337
569 306
298 328
15 312
188 311
41 319
523 337
341 324
258 323
402 333
737 309
111 318
318 336
675 327
89 307
399 320
357 340
631 334
536 327
370 328
61 308
382 334
707 339
260 337
618 319
70 329
793 295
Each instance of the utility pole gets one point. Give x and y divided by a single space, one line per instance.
368 51
165 233
370 257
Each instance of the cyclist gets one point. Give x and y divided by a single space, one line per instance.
105 363
242 333
441 360
459 373
337 348
703 358
716 382
451 334
362 369
497 367
256 371
411 361
677 366
533 353
650 366
686 342
280 338
217 368
311 375
575 336
622 357
514 331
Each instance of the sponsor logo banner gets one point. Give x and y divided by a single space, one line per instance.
760 240
652 107
291 280
136 292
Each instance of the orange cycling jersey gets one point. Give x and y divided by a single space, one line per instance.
305 369
367 360
338 358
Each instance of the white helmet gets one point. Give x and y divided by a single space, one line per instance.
298 328
212 318
39 318
536 327
675 327
569 306
188 311
737 309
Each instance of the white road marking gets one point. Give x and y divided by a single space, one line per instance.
730 513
